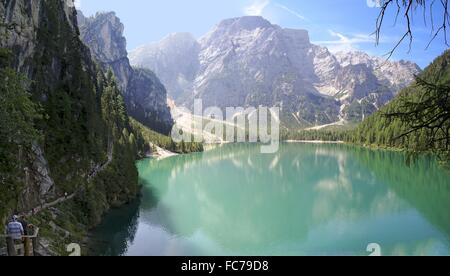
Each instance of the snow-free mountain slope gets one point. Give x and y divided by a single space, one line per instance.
145 96
248 61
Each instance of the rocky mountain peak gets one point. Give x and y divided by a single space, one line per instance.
179 39
392 73
249 61
297 36
353 58
105 34
174 59
173 43
246 27
145 96
244 23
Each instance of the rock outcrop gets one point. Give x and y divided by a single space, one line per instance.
145 96
25 30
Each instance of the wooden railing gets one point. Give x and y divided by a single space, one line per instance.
29 243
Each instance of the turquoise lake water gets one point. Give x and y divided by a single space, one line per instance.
306 199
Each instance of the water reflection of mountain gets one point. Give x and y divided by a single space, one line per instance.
304 196
267 199
423 184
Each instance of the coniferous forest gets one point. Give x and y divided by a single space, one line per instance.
418 120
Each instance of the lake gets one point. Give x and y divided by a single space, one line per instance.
307 199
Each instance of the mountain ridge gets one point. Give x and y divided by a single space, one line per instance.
145 96
249 61
383 130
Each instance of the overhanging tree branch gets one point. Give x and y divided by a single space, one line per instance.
408 8
430 113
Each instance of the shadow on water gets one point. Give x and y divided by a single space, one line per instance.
152 211
119 226
423 184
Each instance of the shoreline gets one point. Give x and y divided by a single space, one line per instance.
313 142
160 153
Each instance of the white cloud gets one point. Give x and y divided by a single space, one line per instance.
291 11
374 3
256 8
346 43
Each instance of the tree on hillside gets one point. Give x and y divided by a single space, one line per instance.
429 112
433 111
18 114
113 105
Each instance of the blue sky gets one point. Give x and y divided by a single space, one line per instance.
337 24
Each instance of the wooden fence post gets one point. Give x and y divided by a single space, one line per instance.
35 239
27 247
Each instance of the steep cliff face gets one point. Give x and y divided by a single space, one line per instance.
76 139
103 36
26 27
249 61
145 96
